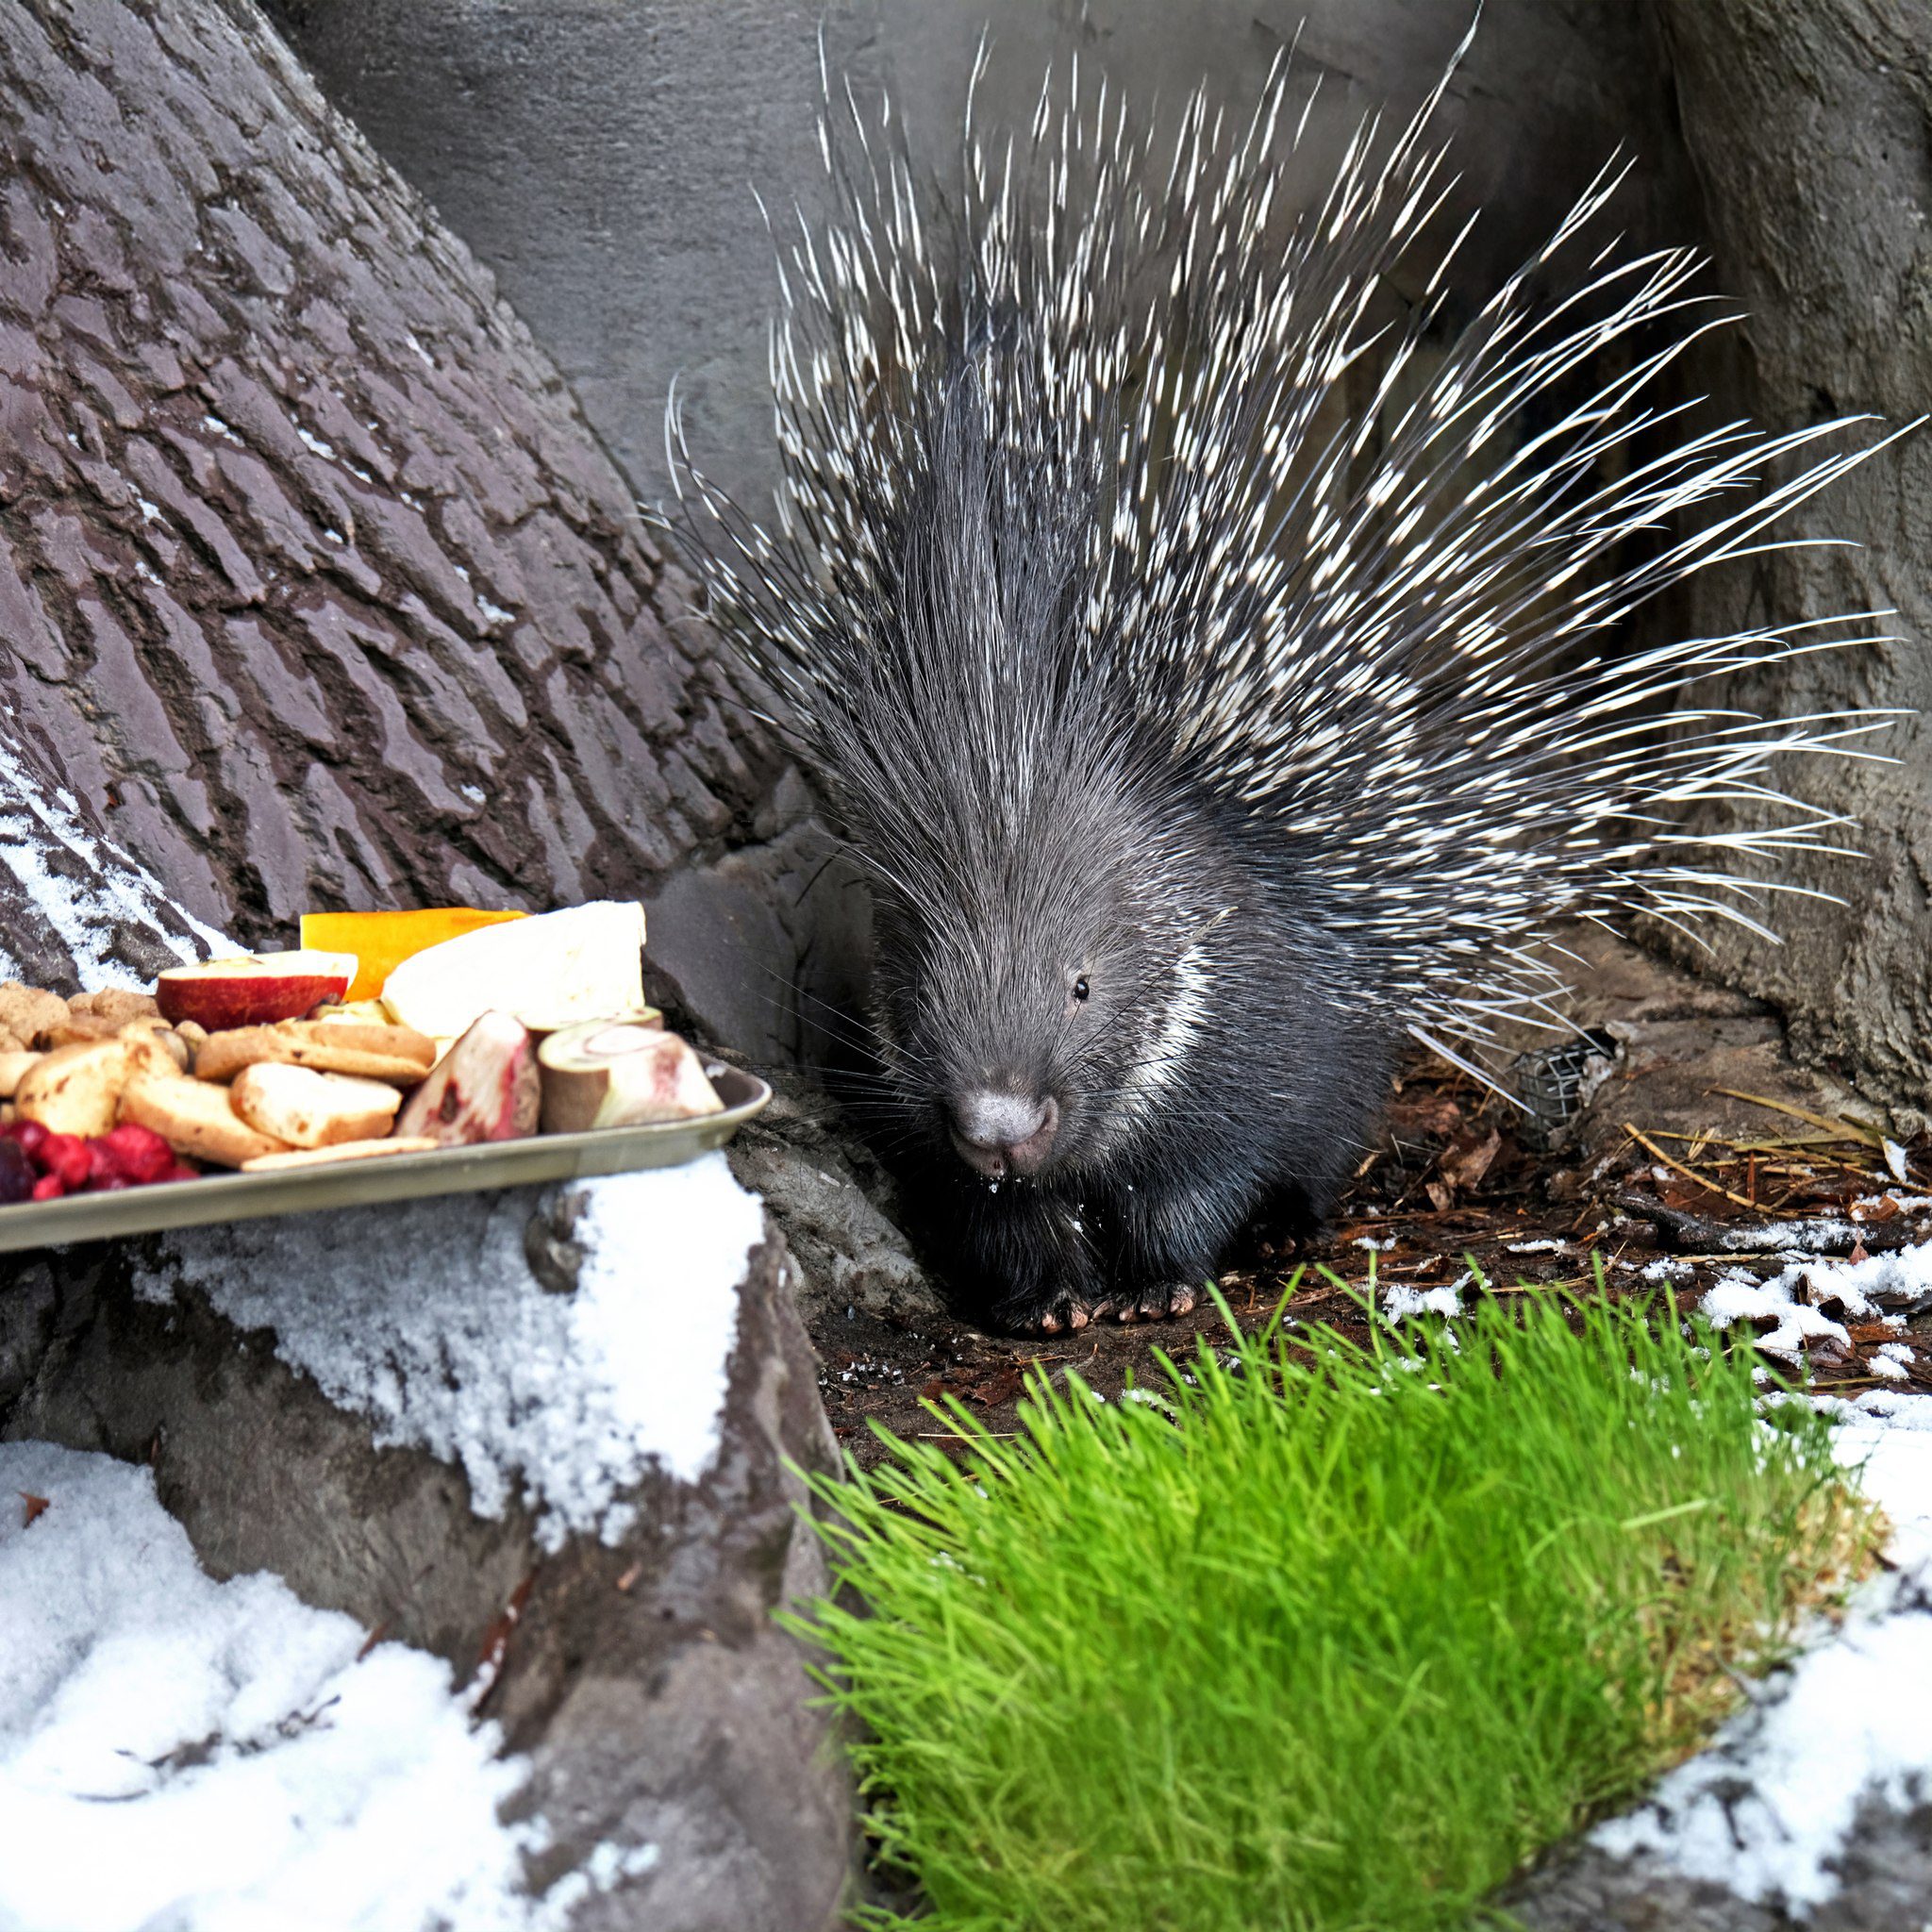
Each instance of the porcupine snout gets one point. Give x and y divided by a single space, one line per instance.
1000 1133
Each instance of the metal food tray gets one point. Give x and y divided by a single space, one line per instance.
390 1177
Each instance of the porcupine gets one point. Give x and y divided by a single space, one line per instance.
1204 730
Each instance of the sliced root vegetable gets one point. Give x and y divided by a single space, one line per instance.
484 1088
542 1030
195 1118
310 1109
557 969
347 1150
382 941
254 991
620 1074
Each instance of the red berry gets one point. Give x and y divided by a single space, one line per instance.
180 1171
137 1154
66 1156
48 1187
31 1135
112 1183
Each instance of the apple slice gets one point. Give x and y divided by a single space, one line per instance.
620 1074
254 991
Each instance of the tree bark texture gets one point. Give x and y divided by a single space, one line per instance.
1809 126
314 588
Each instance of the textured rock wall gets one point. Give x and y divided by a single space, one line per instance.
1809 126
314 588
601 155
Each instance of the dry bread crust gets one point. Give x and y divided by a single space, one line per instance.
397 1054
308 1108
195 1119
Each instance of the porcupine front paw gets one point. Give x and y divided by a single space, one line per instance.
1152 1301
1059 1308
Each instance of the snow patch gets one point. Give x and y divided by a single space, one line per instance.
107 887
1900 1283
430 1323
1766 1809
179 1751
1400 1303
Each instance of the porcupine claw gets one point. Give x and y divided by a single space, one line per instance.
1158 1302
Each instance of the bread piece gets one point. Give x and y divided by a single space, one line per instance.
310 1109
117 1004
196 1118
27 1012
157 1031
396 1054
76 1089
78 1027
346 1150
14 1068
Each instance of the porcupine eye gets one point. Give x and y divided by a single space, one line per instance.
1080 988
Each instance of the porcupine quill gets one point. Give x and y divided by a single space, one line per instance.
1200 734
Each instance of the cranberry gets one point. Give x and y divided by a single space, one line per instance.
48 1187
66 1156
136 1154
30 1135
16 1172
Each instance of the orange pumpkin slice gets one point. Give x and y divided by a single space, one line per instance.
382 941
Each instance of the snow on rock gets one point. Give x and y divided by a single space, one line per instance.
1765 1810
1738 1298
85 888
1796 1300
431 1323
178 1753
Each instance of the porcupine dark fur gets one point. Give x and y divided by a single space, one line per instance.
1197 748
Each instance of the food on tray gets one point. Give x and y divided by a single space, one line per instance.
620 1074
76 1089
195 1118
382 941
330 1046
41 1166
27 1011
16 1175
310 1109
483 1089
347 1150
117 1005
491 1026
557 968
253 990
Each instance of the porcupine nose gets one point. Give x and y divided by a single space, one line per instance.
999 1133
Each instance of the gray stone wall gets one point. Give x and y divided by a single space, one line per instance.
601 155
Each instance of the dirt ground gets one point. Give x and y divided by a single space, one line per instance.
1696 1149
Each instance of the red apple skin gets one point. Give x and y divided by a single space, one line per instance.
255 992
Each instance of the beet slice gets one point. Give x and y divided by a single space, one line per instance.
483 1089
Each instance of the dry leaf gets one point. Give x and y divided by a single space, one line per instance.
36 1506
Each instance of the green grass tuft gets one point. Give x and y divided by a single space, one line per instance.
1316 1637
